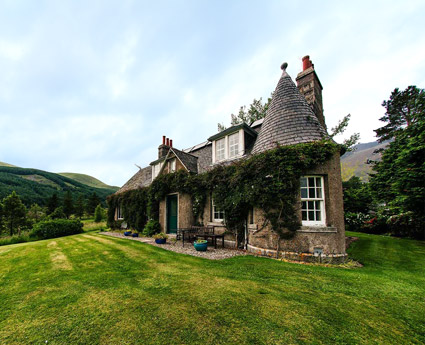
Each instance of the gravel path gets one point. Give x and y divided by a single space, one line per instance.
176 246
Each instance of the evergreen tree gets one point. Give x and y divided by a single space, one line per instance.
58 213
92 203
98 214
79 206
399 178
52 203
14 213
68 204
1 217
357 197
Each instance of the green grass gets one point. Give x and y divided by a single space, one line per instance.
88 180
93 289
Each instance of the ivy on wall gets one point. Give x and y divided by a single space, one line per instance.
268 181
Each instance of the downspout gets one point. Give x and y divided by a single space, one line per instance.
245 246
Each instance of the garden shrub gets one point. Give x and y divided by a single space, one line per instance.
57 228
152 227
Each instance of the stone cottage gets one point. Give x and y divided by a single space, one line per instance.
295 115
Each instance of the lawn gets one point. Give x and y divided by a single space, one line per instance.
93 289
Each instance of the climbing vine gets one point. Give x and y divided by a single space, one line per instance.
268 181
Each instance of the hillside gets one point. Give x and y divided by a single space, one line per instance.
354 163
88 180
3 164
36 186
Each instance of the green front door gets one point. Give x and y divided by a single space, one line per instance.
172 214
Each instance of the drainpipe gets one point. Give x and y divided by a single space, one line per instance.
246 234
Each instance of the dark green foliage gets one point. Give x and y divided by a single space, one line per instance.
79 206
37 186
58 213
14 213
399 178
269 181
52 203
36 213
357 196
98 214
57 228
68 204
152 227
92 202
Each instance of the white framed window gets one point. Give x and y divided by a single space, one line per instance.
233 145
156 169
119 213
220 150
218 214
312 200
172 165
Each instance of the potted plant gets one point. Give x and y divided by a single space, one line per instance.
160 238
127 233
201 245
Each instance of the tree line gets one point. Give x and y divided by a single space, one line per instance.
15 217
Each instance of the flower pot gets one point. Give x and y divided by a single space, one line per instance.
201 246
160 240
135 235
127 233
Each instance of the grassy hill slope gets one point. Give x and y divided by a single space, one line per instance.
88 180
36 186
93 289
354 163
3 164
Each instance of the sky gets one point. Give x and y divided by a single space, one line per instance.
92 86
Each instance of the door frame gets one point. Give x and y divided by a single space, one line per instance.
166 212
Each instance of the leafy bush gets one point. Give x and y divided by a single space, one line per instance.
152 227
57 228
58 213
161 235
24 237
355 221
98 214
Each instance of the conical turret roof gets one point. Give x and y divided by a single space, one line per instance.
289 119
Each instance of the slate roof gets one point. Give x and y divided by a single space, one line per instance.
140 179
289 119
188 160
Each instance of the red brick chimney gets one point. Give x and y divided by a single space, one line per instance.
310 87
164 147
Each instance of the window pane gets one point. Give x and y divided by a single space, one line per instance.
233 144
304 205
318 216
310 215
311 181
303 182
318 205
318 182
319 192
303 193
311 205
304 215
311 193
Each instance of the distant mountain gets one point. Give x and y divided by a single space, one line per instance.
36 186
354 163
3 164
88 180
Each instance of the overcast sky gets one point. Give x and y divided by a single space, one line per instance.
91 86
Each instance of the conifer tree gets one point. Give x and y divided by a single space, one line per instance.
14 213
68 204
79 206
52 203
92 203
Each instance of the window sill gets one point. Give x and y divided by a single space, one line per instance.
216 223
317 229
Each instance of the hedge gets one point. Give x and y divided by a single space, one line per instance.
57 228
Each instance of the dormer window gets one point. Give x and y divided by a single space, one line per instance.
233 145
172 165
156 169
220 149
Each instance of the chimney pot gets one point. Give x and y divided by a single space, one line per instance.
163 140
168 142
171 142
306 62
